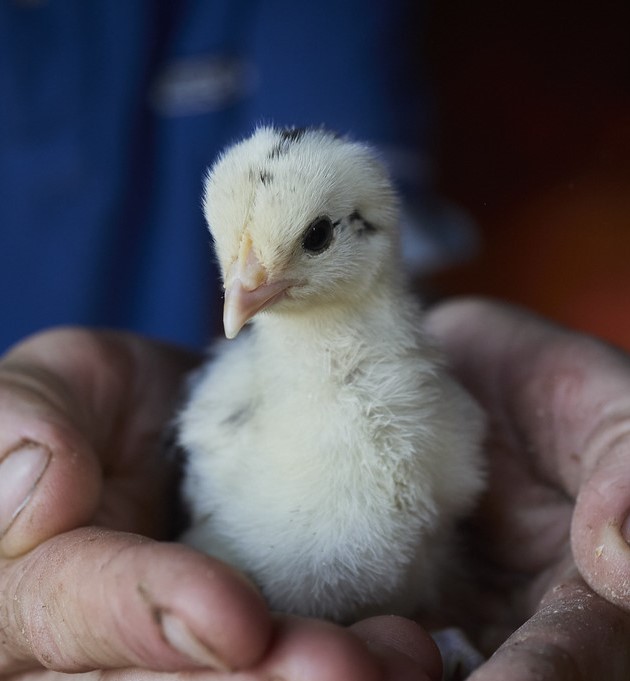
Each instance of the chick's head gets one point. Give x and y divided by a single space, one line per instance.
299 217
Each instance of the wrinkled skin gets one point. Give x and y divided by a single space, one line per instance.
87 588
549 539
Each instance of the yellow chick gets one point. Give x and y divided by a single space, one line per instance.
329 452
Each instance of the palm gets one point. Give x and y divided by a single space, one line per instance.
556 402
519 543
139 463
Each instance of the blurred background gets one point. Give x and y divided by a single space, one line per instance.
506 125
533 119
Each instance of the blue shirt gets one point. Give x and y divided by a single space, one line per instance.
110 112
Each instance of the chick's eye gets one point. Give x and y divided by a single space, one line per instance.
318 236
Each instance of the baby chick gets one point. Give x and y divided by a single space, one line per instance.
329 453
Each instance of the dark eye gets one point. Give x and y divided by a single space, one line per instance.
318 236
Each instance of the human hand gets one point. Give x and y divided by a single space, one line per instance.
551 536
85 586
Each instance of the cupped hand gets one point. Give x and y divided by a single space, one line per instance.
550 540
552 577
87 583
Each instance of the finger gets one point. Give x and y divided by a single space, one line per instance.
95 599
311 650
50 479
404 647
574 635
71 402
301 649
600 529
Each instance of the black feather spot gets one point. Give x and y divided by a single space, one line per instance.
277 151
290 135
365 226
265 177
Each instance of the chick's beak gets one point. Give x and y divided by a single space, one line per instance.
247 289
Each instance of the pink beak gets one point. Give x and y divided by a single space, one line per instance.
247 289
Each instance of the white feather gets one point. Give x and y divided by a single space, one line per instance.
329 452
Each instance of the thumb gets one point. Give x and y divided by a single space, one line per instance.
44 460
98 599
600 531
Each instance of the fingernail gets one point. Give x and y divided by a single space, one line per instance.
179 637
20 472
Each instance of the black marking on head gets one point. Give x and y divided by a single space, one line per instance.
365 226
288 136
265 177
277 151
